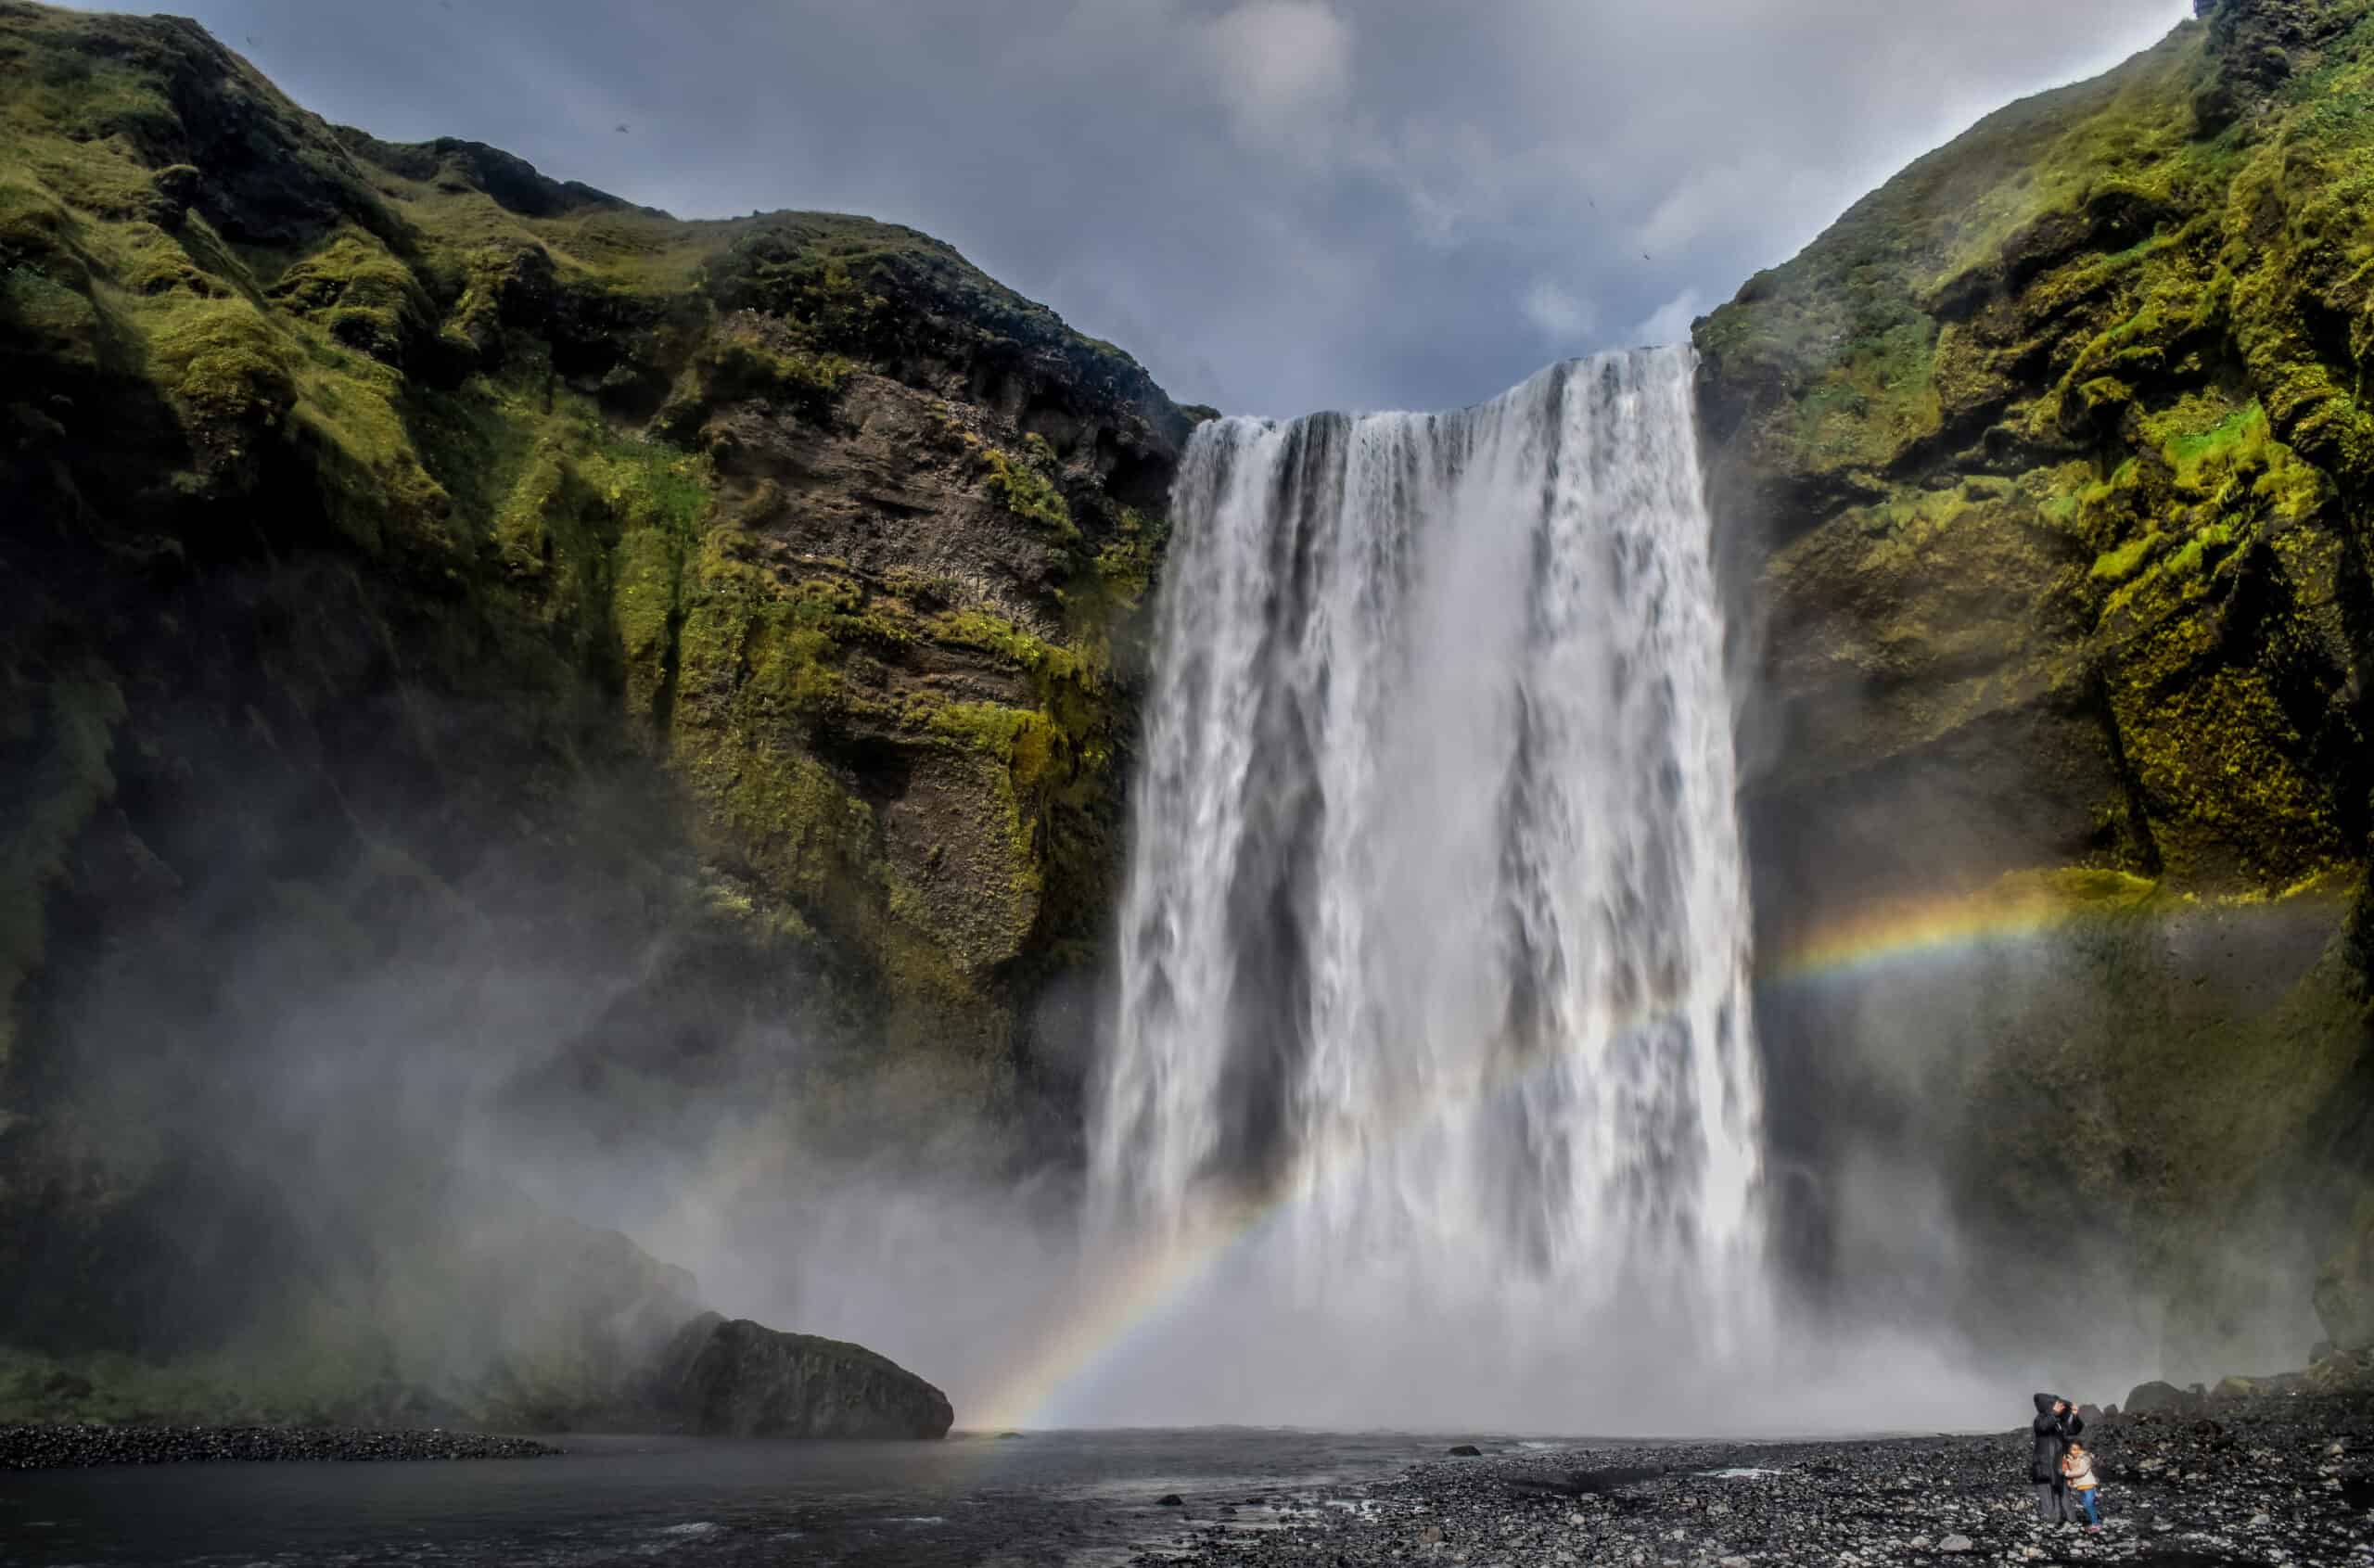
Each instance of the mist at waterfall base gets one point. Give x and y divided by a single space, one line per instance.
1431 1097
344 1164
1433 1018
1424 1093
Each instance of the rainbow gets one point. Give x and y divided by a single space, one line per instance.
1112 1311
1128 1301
2020 906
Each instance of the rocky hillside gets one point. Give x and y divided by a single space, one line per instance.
419 573
2049 470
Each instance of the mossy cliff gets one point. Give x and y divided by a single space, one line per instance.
2048 473
406 554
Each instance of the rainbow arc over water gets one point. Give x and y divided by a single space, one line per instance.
1119 1305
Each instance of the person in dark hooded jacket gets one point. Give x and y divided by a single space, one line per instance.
2057 1422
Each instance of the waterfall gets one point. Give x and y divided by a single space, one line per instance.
1433 954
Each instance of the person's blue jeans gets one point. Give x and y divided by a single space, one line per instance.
2093 1509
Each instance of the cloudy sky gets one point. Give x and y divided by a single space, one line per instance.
1277 205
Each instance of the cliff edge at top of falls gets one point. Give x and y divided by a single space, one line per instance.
481 660
2045 476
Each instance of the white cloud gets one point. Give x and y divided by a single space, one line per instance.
1276 204
1560 314
1281 67
1670 322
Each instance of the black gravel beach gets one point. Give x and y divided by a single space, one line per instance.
2274 1482
2278 1483
66 1447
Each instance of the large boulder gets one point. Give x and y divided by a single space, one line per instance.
734 1378
2342 1372
2161 1398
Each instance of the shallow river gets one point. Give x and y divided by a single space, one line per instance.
1052 1497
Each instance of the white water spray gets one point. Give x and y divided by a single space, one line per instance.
1434 951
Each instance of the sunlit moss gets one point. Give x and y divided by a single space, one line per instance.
222 362
357 291
2117 566
1023 489
362 354
2140 298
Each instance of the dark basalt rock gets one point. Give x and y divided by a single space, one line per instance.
740 1379
2160 1398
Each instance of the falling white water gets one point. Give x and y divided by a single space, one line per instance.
1434 949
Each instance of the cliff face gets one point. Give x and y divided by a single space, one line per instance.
484 654
414 566
2046 469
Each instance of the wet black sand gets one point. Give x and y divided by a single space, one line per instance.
2279 1482
2282 1482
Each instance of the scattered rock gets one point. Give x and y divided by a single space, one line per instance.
56 1447
1170 1499
2174 1497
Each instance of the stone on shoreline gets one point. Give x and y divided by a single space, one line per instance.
1837 1504
740 1379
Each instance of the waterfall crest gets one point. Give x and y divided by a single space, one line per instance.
1435 949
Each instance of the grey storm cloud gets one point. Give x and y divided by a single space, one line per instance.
1277 205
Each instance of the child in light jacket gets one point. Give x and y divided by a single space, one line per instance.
2077 1469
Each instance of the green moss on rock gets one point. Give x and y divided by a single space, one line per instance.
470 500
2134 310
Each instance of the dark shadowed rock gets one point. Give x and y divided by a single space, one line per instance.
740 1379
1466 1451
2345 1287
2340 1372
2159 1398
1588 1482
